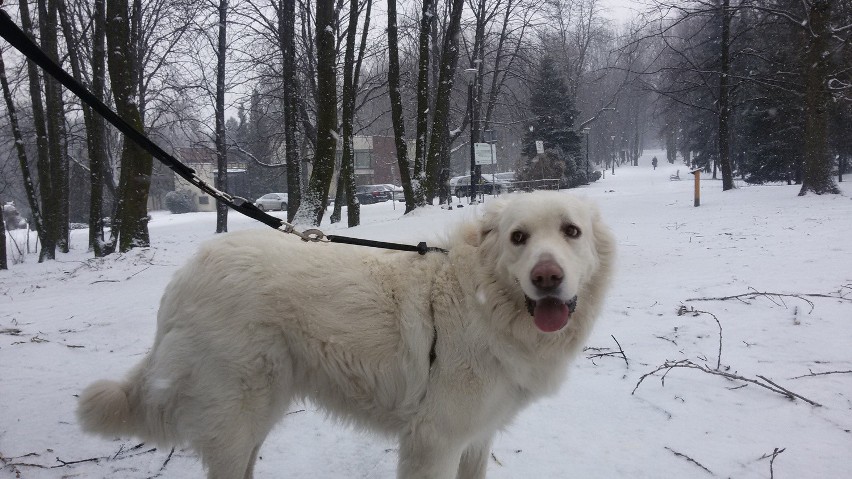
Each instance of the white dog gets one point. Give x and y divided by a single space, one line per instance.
441 350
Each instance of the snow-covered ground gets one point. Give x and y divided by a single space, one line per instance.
67 322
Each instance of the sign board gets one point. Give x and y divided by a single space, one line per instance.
539 147
483 154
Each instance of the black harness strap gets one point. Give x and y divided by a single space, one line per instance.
18 39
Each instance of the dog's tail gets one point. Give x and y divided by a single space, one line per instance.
105 408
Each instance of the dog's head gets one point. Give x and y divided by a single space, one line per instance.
550 252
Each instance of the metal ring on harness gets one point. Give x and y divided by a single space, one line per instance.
312 235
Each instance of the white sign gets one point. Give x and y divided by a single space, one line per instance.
539 147
483 153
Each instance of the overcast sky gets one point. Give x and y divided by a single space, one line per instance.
621 10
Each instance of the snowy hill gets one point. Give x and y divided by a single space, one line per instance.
688 291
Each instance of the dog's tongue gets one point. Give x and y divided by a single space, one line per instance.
551 315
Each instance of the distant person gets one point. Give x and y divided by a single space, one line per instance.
654 162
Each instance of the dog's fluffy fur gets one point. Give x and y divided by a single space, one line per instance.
257 320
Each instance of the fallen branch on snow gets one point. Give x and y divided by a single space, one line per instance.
763 382
683 310
680 454
843 294
772 457
607 352
812 374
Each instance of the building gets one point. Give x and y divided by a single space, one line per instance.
203 161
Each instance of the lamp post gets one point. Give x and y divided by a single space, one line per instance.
585 129
586 132
471 73
614 155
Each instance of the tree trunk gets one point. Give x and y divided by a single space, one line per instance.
4 264
396 109
287 44
422 115
95 127
55 116
130 221
316 197
221 146
449 59
346 179
47 231
724 100
349 94
817 168
29 187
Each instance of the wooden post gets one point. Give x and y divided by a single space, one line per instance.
697 173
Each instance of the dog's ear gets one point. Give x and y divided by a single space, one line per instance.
487 223
604 239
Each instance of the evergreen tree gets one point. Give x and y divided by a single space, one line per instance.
771 141
553 123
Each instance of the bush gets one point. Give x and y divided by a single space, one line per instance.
596 175
179 202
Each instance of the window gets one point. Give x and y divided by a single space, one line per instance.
363 160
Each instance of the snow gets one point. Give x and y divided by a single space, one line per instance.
68 322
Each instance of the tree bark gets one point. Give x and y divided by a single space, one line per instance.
422 115
449 60
724 99
95 127
313 208
817 168
47 231
221 146
397 117
287 44
23 161
351 73
55 116
130 221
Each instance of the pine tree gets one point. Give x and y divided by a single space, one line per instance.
553 123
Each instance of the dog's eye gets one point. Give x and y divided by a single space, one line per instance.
519 237
571 231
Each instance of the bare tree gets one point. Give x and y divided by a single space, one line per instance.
351 74
130 221
55 122
438 140
397 117
316 197
290 101
95 126
221 146
21 151
423 103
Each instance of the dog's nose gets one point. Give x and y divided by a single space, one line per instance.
546 275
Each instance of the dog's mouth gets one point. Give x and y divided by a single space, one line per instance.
551 314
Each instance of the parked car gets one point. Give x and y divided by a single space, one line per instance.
490 184
272 201
369 194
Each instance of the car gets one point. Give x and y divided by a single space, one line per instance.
369 194
490 184
272 201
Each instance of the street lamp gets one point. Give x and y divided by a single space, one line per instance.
471 73
614 154
586 132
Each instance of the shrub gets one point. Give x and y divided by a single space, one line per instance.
179 202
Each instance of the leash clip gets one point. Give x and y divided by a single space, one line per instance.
310 235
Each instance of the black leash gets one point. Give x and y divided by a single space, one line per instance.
18 39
